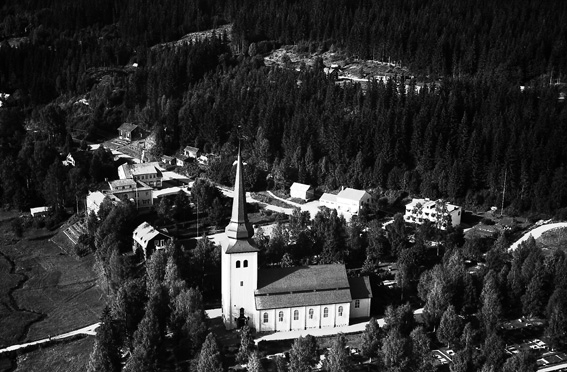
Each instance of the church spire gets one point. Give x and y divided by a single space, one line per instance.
239 227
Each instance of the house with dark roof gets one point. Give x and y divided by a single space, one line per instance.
281 299
129 132
148 239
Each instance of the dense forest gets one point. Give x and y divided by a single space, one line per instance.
470 132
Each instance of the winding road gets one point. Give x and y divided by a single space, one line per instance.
536 233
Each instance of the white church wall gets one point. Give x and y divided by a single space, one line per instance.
242 271
312 320
299 323
342 319
329 320
362 311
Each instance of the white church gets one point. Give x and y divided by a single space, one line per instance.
282 299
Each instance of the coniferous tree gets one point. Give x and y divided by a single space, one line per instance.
105 356
210 358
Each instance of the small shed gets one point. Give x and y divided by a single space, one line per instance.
39 211
301 191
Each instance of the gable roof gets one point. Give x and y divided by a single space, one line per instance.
302 286
331 198
144 233
127 127
300 187
191 148
352 194
360 287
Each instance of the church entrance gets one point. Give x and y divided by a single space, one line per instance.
242 320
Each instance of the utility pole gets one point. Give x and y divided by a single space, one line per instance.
503 193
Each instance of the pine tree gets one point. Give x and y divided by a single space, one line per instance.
254 364
371 339
210 358
450 327
338 358
105 356
303 354
246 345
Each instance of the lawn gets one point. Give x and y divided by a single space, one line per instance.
51 291
66 357
553 239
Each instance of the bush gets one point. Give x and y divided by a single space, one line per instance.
17 227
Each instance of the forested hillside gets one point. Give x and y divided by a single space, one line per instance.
468 133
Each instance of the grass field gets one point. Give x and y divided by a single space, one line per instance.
553 239
51 292
68 357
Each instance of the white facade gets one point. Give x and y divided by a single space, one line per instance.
328 200
352 200
360 308
301 191
239 278
138 192
437 212
148 173
303 317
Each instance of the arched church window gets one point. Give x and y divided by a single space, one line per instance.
280 316
340 311
296 315
237 264
265 317
311 313
245 263
325 312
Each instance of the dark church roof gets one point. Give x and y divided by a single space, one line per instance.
239 230
360 288
302 286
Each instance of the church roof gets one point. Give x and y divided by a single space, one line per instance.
239 227
360 287
302 286
241 246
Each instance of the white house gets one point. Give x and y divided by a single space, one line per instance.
136 191
40 211
328 200
348 201
438 212
148 239
95 199
278 299
301 191
352 200
148 173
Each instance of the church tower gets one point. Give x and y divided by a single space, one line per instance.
239 262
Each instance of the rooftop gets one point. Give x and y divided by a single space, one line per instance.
144 233
302 278
128 127
301 187
352 194
360 287
128 182
328 197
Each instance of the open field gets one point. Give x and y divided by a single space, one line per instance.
43 291
553 239
66 357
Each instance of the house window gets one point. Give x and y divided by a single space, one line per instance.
311 313
340 311
237 264
296 315
326 312
241 284
280 316
356 304
245 263
265 317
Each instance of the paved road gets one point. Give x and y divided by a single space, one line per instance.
88 330
536 233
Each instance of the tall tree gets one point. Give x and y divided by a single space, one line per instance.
105 356
338 358
210 358
303 354
371 339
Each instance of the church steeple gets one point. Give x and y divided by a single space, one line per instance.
239 228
